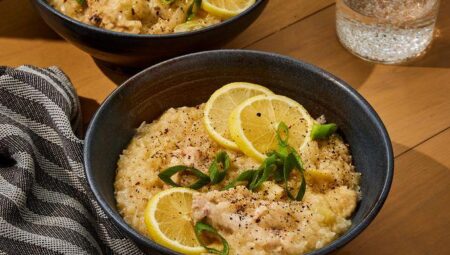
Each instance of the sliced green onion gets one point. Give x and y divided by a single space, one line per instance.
81 2
278 175
263 173
290 164
166 175
299 161
219 167
282 134
201 227
245 176
283 137
193 9
302 189
323 131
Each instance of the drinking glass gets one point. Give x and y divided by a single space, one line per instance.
386 31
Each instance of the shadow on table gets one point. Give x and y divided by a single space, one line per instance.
88 109
23 21
117 74
415 216
438 55
305 41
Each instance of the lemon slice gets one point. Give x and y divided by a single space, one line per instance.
168 217
254 122
226 8
222 103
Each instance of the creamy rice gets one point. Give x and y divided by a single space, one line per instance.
291 227
132 16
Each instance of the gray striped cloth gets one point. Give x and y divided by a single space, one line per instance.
46 206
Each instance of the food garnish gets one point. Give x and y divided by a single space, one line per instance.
323 131
219 167
81 2
168 217
278 165
290 163
226 8
193 9
166 175
220 105
188 26
217 172
246 176
253 124
201 227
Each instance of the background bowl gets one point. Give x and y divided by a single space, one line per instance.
141 50
190 80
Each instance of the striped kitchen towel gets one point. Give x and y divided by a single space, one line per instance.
46 206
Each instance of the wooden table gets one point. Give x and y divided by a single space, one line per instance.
413 100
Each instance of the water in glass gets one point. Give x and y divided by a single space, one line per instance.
386 31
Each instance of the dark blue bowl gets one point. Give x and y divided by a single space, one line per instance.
141 50
190 80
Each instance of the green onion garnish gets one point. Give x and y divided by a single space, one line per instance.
283 137
193 9
81 2
263 173
166 175
219 167
323 131
290 164
245 176
290 160
283 134
201 227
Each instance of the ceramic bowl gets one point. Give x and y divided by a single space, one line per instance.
132 50
190 80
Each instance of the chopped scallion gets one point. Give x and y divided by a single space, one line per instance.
193 9
219 167
245 176
322 131
201 227
290 164
264 172
166 175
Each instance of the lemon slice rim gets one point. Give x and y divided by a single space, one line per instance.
235 126
222 12
153 226
229 144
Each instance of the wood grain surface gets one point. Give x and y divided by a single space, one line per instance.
412 99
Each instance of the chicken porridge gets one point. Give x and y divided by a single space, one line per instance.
291 192
151 16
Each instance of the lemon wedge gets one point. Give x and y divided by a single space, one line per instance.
253 124
222 103
226 8
168 217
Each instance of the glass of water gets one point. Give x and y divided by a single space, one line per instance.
386 31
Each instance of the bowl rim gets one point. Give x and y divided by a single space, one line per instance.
339 242
92 28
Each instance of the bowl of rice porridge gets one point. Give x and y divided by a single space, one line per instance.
228 158
142 32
